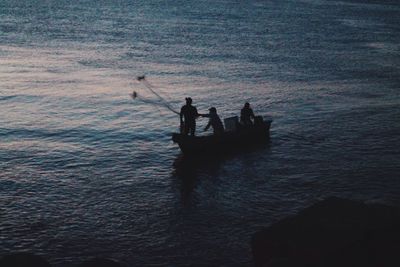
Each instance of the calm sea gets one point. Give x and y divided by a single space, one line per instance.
87 171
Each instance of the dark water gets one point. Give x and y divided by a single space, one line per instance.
86 171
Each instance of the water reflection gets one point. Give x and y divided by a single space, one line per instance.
189 170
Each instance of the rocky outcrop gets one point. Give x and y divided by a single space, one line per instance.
23 259
333 232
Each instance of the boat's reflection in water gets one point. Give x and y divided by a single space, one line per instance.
188 171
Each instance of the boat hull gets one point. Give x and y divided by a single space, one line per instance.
242 138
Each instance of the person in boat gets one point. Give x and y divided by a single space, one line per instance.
246 115
215 122
188 116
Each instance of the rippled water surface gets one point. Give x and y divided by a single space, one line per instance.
87 171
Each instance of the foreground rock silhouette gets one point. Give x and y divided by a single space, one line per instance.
23 259
333 232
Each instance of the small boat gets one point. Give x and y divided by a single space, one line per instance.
236 137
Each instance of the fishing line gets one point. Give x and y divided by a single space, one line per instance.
151 89
162 102
136 96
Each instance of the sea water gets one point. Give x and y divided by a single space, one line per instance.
87 171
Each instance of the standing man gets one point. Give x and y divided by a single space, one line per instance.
188 117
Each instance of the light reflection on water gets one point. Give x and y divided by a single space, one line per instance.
87 171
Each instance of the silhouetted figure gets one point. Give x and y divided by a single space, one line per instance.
188 117
215 122
246 114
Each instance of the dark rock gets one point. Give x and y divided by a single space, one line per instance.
23 259
333 232
99 262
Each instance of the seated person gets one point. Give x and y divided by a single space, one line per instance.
246 114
